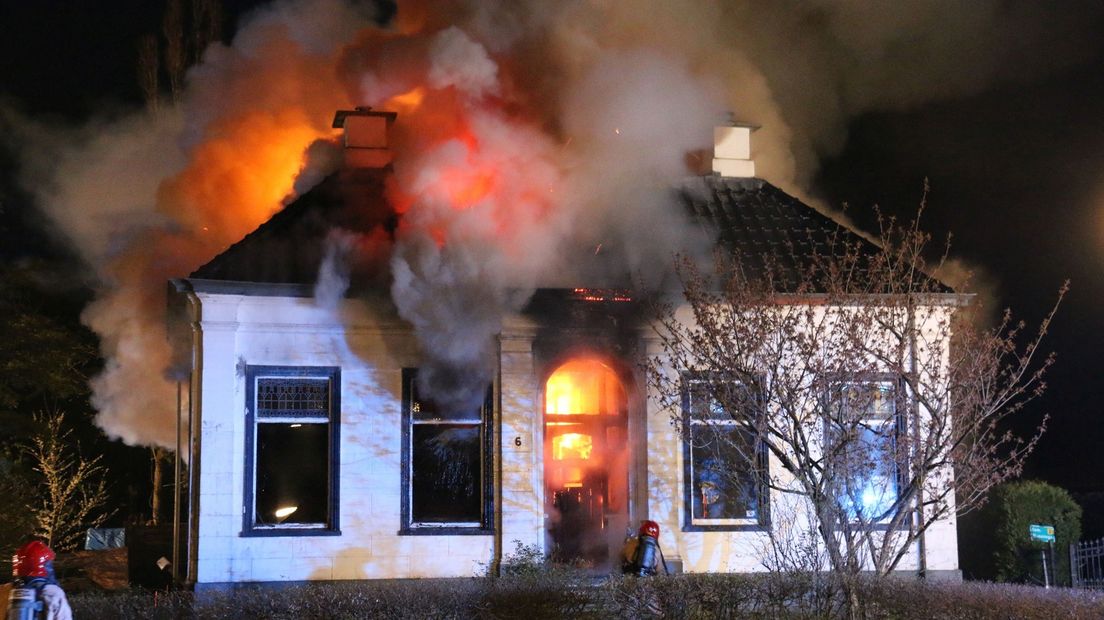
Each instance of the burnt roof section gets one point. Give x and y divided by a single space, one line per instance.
748 217
290 246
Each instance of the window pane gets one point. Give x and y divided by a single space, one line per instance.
424 409
875 444
872 488
871 496
292 472
867 463
446 472
720 400
871 399
723 478
293 396
702 405
427 410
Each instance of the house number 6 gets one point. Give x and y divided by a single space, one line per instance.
517 441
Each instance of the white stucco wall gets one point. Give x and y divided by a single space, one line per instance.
240 330
522 481
748 551
371 352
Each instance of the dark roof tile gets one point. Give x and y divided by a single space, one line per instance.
289 247
749 217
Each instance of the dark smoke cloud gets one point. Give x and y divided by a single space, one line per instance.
584 110
150 196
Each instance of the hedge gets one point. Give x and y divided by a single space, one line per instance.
572 594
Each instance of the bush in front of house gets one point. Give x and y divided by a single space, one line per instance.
528 586
772 595
909 599
567 593
128 604
446 599
811 595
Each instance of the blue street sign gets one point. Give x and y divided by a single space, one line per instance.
1041 533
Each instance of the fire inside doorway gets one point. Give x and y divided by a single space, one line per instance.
586 465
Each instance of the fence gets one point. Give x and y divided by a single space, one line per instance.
1087 564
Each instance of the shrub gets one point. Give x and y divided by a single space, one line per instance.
568 593
681 596
437 599
135 603
995 543
530 586
903 599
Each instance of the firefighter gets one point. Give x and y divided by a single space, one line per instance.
35 591
641 554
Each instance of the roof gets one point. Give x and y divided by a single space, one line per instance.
290 246
756 222
756 218
749 217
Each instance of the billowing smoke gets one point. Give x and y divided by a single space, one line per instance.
498 198
152 195
334 272
529 133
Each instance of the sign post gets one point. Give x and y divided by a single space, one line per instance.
1043 533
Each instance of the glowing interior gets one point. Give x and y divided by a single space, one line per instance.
572 446
584 386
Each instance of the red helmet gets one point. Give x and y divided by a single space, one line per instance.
649 528
31 559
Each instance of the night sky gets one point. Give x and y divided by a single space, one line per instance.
1014 173
1015 176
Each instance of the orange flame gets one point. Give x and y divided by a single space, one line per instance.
238 178
467 187
585 391
572 446
406 102
583 386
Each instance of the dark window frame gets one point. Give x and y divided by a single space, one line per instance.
761 522
835 384
485 526
252 374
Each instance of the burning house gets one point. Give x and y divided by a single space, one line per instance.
332 439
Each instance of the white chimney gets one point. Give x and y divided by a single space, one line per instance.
365 138
732 151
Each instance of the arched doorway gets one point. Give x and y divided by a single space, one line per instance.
585 456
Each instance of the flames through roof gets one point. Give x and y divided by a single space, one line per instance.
749 217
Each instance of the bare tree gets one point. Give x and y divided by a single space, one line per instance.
174 56
847 387
183 45
206 26
149 69
73 490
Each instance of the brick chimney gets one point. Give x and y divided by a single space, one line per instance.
732 151
365 139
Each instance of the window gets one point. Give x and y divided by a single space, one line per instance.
291 451
446 457
725 465
864 430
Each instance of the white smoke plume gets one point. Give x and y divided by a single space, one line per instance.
147 197
627 90
333 273
528 132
